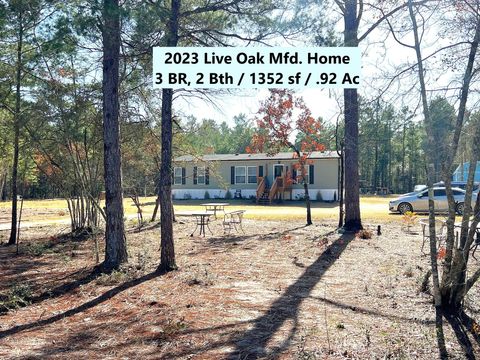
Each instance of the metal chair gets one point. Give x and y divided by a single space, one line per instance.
232 219
440 234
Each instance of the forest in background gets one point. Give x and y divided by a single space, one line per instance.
391 145
51 99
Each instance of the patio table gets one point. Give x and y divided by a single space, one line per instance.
202 219
215 207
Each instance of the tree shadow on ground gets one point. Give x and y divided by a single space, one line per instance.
16 268
86 338
35 248
64 347
145 227
7 269
260 324
253 343
85 276
464 325
229 238
375 313
461 324
472 326
81 308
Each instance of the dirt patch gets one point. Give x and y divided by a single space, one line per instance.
281 290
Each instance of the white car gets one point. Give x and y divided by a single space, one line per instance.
418 201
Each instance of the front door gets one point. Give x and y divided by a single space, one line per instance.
277 170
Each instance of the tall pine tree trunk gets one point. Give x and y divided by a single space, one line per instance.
17 120
341 213
167 259
352 192
115 242
341 172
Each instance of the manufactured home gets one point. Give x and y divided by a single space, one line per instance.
259 176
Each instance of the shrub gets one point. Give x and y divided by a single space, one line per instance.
37 249
116 277
408 272
319 196
187 196
173 327
409 219
228 195
200 278
365 234
18 295
206 196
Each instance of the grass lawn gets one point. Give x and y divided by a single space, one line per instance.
372 207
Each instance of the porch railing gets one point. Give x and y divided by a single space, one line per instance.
260 187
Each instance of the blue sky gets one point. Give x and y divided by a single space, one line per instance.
320 101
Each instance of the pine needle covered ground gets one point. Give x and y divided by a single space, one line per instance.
281 290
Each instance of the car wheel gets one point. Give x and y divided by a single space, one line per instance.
460 208
404 207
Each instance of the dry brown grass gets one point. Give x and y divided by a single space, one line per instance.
43 212
281 290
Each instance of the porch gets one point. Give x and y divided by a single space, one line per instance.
281 185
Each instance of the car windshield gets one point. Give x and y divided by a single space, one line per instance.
418 188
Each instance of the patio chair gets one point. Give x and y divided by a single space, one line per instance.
440 233
233 220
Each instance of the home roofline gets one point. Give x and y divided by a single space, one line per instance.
252 157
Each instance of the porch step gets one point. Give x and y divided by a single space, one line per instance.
264 199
